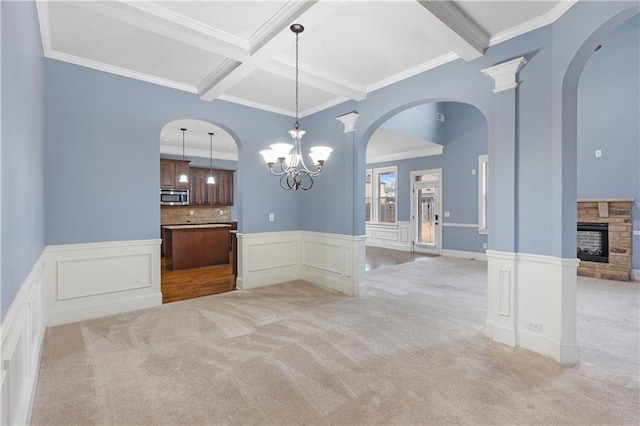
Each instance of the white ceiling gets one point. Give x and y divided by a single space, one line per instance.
243 51
197 142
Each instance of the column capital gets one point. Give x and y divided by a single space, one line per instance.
349 121
505 74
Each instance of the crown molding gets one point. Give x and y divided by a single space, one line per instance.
426 66
533 24
216 76
123 72
201 153
257 105
396 156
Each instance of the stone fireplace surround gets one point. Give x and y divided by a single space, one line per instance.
617 213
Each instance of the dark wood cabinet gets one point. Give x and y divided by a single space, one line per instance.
202 193
170 171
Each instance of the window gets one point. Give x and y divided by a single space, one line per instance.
380 195
483 193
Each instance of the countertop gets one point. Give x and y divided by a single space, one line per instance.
193 226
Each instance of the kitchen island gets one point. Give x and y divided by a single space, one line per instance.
193 246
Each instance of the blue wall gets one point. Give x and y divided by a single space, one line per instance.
418 122
22 126
464 136
608 117
102 156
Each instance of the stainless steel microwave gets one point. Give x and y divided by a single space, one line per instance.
174 197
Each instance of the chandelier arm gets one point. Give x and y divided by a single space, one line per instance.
285 178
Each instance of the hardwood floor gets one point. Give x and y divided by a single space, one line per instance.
189 283
377 257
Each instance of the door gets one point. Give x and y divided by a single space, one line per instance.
426 214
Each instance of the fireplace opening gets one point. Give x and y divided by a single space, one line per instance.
593 242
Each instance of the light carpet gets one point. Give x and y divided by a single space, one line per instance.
411 352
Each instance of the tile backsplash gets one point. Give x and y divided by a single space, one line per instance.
175 215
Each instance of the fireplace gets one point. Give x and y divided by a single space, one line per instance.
593 242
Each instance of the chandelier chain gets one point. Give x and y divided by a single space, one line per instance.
297 124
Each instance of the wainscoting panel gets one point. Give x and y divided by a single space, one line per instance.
539 310
92 280
21 343
546 306
392 237
329 260
268 258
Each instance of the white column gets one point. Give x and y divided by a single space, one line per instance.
531 298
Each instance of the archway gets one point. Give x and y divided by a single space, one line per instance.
198 215
431 154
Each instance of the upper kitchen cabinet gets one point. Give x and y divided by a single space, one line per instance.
202 193
170 171
225 187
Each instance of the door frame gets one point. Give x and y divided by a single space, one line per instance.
414 229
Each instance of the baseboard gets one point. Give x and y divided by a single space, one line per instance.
98 279
471 255
565 354
502 334
635 274
389 245
22 335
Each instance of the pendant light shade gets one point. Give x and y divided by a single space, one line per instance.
183 177
211 180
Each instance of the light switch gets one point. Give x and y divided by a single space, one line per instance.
447 214
272 217
190 212
473 172
221 212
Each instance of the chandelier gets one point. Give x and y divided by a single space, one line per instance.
285 160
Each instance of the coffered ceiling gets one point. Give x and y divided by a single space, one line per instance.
243 51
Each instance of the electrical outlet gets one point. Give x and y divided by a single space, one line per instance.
440 117
447 214
473 172
221 212
534 325
190 212
598 153
272 217
485 246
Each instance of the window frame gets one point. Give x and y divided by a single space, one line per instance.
375 195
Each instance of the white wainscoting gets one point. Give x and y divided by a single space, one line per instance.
334 261
532 303
396 237
328 260
267 258
21 342
98 279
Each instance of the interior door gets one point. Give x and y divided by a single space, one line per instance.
427 227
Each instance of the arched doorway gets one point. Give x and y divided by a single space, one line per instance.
417 197
198 215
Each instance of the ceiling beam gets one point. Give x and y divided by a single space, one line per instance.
463 35
154 18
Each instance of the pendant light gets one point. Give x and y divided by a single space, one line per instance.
293 172
183 177
211 180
